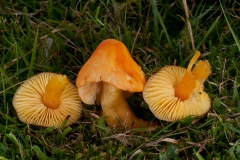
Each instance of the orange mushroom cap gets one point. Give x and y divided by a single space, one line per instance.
108 76
107 65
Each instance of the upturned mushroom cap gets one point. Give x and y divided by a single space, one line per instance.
160 92
107 65
29 97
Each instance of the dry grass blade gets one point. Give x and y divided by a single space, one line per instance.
135 153
169 140
188 23
165 139
201 145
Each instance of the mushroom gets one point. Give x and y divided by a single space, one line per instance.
174 93
47 99
106 75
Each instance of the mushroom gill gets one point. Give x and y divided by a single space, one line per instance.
47 99
174 92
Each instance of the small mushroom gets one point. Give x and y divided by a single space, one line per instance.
107 74
47 99
174 92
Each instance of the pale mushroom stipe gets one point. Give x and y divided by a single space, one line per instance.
174 93
47 99
107 74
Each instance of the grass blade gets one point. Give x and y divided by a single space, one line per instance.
230 28
208 32
34 50
157 14
40 154
20 146
3 158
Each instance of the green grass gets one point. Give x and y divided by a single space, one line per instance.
156 34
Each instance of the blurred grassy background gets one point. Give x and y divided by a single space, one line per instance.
59 36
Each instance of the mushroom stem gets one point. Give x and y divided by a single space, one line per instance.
53 91
193 78
116 109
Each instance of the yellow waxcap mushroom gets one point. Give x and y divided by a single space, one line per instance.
47 99
174 92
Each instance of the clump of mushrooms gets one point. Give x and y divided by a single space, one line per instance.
175 93
47 99
108 73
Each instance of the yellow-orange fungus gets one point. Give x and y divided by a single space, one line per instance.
193 78
53 91
201 70
186 86
193 60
